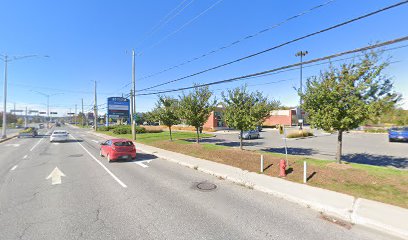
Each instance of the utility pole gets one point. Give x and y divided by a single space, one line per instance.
301 54
75 114
48 111
83 114
131 115
133 95
95 110
25 118
4 129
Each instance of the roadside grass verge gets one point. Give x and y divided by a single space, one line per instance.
382 184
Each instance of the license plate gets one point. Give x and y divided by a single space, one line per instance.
125 156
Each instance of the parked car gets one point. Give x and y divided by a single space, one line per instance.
59 136
115 149
398 134
57 124
28 132
250 134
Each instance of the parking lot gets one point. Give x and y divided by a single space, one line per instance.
368 148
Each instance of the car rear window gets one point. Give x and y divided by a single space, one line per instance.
123 144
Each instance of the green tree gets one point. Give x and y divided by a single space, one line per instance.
196 107
166 112
343 98
20 121
245 111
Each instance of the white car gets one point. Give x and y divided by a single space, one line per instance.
59 136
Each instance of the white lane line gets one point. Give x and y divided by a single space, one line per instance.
94 141
38 142
141 164
103 166
14 168
13 145
25 156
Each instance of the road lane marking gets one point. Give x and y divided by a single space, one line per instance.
55 176
38 142
103 166
14 168
56 143
13 145
25 156
94 141
141 164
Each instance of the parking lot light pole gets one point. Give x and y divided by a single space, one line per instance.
301 54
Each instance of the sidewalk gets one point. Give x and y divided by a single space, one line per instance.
376 215
10 136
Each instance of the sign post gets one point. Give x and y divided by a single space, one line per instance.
282 130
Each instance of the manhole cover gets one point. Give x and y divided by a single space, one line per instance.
206 186
76 155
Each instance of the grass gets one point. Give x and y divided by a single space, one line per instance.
155 137
382 184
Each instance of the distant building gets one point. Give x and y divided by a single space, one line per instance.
281 117
216 120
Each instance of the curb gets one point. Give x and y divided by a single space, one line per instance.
359 211
8 138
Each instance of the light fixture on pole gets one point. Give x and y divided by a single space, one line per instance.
6 59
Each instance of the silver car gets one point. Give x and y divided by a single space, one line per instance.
59 136
251 134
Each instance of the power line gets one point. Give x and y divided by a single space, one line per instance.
180 28
166 19
378 45
281 45
239 40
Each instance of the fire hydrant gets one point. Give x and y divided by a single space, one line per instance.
282 168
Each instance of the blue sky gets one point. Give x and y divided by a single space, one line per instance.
91 40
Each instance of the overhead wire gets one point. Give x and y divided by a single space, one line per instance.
239 40
280 45
378 45
180 28
166 19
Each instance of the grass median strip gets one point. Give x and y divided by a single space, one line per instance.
382 184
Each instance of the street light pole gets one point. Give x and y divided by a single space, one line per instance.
6 60
301 54
4 130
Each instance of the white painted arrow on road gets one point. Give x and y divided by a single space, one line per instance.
56 175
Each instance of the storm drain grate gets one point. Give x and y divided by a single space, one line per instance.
206 186
76 155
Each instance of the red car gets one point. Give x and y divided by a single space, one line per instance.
115 149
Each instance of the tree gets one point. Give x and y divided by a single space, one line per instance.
20 121
343 98
167 112
196 107
245 111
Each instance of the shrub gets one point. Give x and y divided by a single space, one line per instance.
103 128
139 129
124 129
299 134
154 130
379 130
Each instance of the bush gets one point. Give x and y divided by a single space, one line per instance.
124 129
103 128
379 130
140 129
28 130
299 134
154 130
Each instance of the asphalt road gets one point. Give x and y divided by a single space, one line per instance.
367 148
149 198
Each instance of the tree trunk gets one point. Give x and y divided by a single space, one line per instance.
339 146
240 140
198 136
171 137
